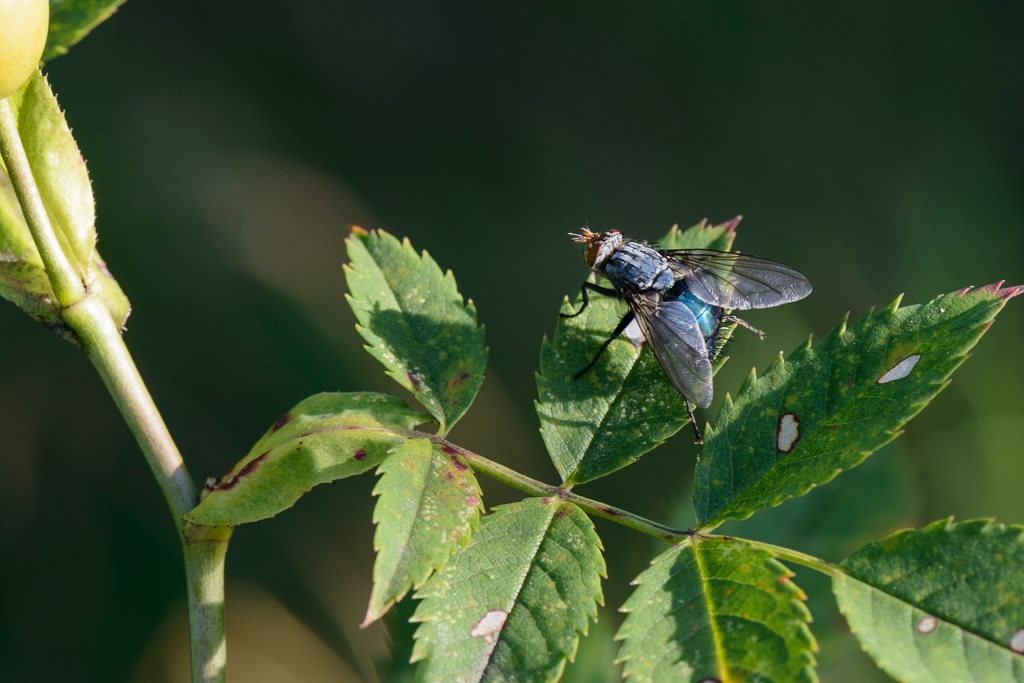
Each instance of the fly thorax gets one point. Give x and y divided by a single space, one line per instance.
638 268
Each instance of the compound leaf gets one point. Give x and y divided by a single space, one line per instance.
429 505
416 323
326 437
625 406
829 406
512 605
71 20
943 604
716 609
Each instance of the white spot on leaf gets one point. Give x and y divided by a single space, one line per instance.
1017 641
900 370
927 625
489 625
788 432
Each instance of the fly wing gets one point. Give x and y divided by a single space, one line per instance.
672 331
737 281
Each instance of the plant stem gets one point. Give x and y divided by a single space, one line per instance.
108 353
64 279
538 488
823 566
204 550
204 569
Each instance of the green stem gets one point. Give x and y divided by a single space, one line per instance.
108 353
823 566
538 488
204 569
64 279
204 550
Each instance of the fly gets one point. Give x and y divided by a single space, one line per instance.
679 299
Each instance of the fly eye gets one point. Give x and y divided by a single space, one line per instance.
593 249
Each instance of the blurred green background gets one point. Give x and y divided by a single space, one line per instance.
877 147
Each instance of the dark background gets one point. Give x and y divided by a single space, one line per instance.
877 147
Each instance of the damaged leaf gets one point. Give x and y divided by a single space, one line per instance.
326 437
512 605
829 406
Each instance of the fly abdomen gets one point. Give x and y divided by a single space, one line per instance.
635 267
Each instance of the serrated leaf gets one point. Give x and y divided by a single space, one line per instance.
827 407
716 609
59 171
416 324
429 505
512 605
944 604
326 437
72 20
701 236
625 406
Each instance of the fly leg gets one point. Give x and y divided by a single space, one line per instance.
744 323
693 421
607 291
623 324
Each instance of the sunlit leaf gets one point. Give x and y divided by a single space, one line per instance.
59 170
71 20
325 437
23 279
716 609
829 406
429 505
512 605
416 323
625 406
943 604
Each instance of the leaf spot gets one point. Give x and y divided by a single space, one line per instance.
413 380
1017 641
787 433
281 422
359 454
458 464
489 625
230 482
900 370
927 625
472 501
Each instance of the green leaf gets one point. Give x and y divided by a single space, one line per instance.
512 605
416 324
326 437
59 171
701 236
71 20
23 279
716 609
595 657
429 505
943 604
829 406
625 406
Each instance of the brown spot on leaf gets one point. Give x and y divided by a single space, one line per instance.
281 422
787 432
449 450
927 625
413 380
472 501
359 454
459 465
250 467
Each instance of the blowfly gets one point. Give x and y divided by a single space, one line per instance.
679 299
